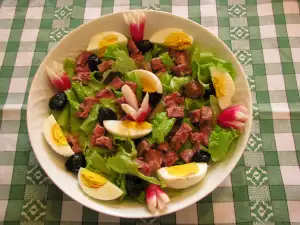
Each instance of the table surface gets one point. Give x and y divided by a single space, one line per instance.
264 35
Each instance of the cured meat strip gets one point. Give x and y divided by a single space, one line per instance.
170 158
180 136
143 147
102 67
86 107
97 132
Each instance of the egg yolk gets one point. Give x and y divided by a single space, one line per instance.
178 40
106 41
147 85
135 125
183 170
219 83
58 136
91 179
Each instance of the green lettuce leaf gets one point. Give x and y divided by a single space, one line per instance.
94 84
123 62
111 104
139 90
78 89
161 126
192 104
95 162
112 51
157 49
125 145
84 141
141 198
118 94
120 181
201 61
64 118
165 80
123 164
72 99
75 122
99 150
148 56
177 82
90 122
214 108
166 60
220 141
69 66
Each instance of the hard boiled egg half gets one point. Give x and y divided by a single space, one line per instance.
182 176
224 86
56 138
97 186
99 42
128 128
172 38
149 81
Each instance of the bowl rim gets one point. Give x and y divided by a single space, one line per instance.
185 203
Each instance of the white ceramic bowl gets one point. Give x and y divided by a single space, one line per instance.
77 41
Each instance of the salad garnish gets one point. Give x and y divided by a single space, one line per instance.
139 118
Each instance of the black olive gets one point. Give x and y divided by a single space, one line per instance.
201 156
58 101
106 114
144 46
134 185
93 62
209 91
75 161
154 99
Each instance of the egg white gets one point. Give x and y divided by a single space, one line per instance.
107 192
181 182
119 128
64 150
160 36
224 101
93 45
150 77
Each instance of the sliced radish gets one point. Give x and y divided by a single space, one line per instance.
161 205
151 199
156 198
162 195
131 112
143 110
130 97
234 117
136 22
58 77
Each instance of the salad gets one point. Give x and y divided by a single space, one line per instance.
137 118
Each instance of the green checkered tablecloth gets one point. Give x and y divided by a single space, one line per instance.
264 35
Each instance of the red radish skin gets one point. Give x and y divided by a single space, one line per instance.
144 110
63 83
136 22
233 117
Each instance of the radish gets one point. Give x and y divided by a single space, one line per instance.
136 22
156 198
131 112
234 117
130 97
144 110
58 77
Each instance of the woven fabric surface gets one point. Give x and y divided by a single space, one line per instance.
264 187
